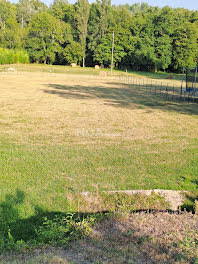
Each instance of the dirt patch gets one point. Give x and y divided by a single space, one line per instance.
135 238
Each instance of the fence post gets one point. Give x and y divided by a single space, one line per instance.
151 87
173 92
161 89
167 95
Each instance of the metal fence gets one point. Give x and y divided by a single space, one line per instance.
168 89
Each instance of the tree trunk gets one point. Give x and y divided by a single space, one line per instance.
83 60
22 22
83 57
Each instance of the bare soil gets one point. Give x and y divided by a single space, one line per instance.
136 238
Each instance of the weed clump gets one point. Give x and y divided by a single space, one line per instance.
61 230
58 231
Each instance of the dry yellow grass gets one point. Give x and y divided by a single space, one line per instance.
58 109
61 135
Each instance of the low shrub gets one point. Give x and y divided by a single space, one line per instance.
10 56
59 230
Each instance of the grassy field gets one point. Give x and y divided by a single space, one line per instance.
87 71
64 134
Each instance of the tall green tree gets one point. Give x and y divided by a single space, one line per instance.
7 11
103 7
137 7
61 9
143 40
99 20
185 45
72 53
46 34
26 9
82 18
103 52
163 22
119 23
146 38
10 35
152 31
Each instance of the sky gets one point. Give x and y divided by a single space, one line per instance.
190 4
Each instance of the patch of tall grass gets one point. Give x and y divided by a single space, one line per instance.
10 56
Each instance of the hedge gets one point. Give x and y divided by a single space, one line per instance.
10 56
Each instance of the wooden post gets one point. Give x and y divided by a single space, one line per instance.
112 54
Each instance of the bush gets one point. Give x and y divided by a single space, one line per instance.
60 231
10 56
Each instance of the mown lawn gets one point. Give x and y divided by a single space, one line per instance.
88 71
61 135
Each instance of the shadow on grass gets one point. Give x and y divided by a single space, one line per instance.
115 243
124 242
189 203
24 228
126 96
21 228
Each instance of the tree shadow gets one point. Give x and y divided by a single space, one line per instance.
141 242
114 240
126 96
10 219
190 198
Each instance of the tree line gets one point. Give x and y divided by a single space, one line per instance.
146 38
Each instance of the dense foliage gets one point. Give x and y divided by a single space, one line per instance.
146 38
10 56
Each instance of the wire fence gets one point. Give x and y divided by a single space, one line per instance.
168 89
